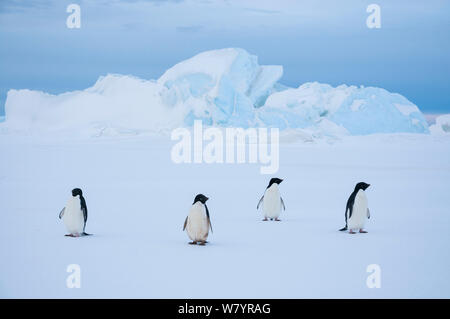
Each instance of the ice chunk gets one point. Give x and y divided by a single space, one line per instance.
301 107
442 125
263 84
227 85
356 105
224 87
329 128
406 109
114 101
363 110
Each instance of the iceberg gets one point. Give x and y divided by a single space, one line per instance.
359 110
226 88
220 87
442 125
115 101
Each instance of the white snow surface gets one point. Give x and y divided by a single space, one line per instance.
225 87
138 200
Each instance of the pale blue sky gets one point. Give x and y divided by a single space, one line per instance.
325 41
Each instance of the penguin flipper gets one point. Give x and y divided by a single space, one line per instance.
84 208
210 225
368 213
345 228
85 217
209 219
185 223
61 213
260 201
282 203
85 214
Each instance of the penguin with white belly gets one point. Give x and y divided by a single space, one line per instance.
198 222
75 214
357 210
272 201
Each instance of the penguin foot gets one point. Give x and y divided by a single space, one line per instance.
277 220
265 219
193 243
351 232
362 231
202 243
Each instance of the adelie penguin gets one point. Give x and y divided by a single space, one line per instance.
198 222
272 201
357 210
75 214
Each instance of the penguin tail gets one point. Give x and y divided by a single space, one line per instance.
86 234
343 229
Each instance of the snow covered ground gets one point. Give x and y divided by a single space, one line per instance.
138 199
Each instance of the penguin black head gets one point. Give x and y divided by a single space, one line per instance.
274 181
200 198
77 191
361 185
